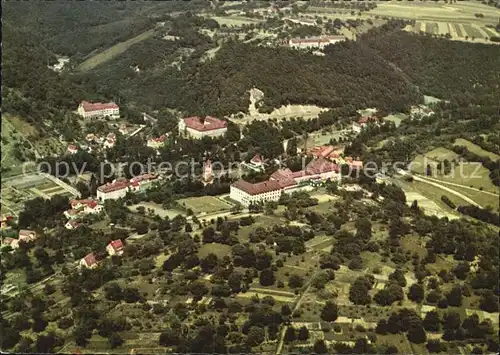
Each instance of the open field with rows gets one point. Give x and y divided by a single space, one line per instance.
16 191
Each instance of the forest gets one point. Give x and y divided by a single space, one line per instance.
78 28
451 70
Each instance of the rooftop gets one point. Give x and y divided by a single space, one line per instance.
90 259
117 245
258 188
209 123
97 106
114 186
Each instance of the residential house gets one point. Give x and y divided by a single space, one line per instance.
256 163
13 243
98 110
83 207
156 143
198 127
72 149
26 235
72 224
115 247
89 262
208 174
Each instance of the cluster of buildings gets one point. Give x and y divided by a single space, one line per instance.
119 188
89 110
115 247
24 235
420 111
93 141
363 122
80 209
285 181
199 127
314 42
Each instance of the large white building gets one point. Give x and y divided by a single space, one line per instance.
198 127
314 42
119 188
284 181
96 110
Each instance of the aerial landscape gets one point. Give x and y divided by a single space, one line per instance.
267 177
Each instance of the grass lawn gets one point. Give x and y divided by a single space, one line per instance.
476 149
204 204
220 250
113 51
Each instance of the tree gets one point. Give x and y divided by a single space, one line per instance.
290 335
435 346
454 298
266 277
432 322
115 340
398 276
416 293
417 335
489 302
169 337
329 313
303 334
451 320
358 293
295 281
255 336
113 291
285 310
209 263
320 347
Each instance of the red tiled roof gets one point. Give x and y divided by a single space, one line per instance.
8 241
322 151
256 159
72 147
114 186
209 124
258 188
143 177
89 203
281 174
88 106
159 139
90 259
320 165
365 119
74 224
117 245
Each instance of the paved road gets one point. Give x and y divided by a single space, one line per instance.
458 185
444 188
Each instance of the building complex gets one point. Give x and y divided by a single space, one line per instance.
199 127
119 188
285 181
98 110
314 42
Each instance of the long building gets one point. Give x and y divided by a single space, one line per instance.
314 42
198 127
96 110
119 188
284 181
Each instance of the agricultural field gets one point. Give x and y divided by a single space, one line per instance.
470 174
457 20
113 51
204 204
236 21
476 149
15 191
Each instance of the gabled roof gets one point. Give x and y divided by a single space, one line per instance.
257 159
114 186
90 259
321 165
72 147
258 188
366 119
209 123
98 106
25 232
117 245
